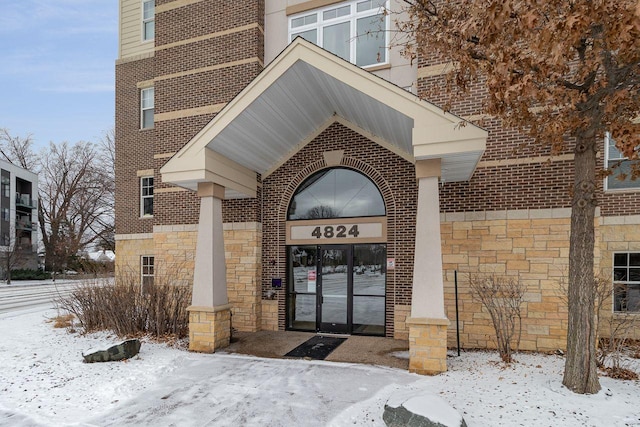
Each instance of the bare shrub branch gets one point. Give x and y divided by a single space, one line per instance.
502 297
126 309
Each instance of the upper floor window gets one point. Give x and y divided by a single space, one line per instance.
626 281
5 184
619 165
336 193
146 108
146 196
148 19
356 31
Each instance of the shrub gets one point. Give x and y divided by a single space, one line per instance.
502 297
619 327
28 274
125 309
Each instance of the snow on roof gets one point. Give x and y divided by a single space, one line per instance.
101 256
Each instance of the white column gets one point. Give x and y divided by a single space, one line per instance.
210 274
427 300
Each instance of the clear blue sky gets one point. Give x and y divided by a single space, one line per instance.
57 60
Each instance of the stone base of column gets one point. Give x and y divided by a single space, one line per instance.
427 345
209 328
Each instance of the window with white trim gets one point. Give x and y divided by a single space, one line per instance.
626 282
147 96
356 30
619 165
148 20
146 196
147 271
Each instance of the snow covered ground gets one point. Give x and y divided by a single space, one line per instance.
43 382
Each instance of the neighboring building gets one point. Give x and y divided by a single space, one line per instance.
19 219
338 197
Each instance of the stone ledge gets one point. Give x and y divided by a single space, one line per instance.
204 309
139 236
249 226
427 321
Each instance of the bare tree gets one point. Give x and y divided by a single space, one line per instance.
104 226
75 191
560 71
321 211
18 150
12 253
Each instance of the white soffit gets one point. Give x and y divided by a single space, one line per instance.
298 93
295 106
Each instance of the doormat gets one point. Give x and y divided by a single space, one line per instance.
317 347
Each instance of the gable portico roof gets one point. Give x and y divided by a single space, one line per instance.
297 94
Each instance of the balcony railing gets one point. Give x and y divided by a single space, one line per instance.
25 200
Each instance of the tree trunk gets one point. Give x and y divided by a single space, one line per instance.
580 374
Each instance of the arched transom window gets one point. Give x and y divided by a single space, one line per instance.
336 193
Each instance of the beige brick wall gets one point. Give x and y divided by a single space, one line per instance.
175 253
428 346
617 234
129 249
400 315
243 252
269 315
174 250
209 328
531 245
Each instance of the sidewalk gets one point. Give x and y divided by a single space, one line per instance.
356 349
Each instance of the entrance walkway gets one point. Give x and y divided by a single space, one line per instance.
356 349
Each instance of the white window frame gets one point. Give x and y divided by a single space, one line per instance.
625 283
147 270
609 145
148 20
147 103
318 23
144 185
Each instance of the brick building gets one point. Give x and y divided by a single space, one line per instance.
298 171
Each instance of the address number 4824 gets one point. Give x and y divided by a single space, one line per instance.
338 231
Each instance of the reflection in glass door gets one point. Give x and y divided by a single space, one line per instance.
334 288
369 284
337 288
303 262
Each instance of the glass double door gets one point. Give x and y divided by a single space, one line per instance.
337 288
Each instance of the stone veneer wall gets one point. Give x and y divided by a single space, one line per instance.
129 249
269 315
243 253
617 234
400 315
532 245
174 250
